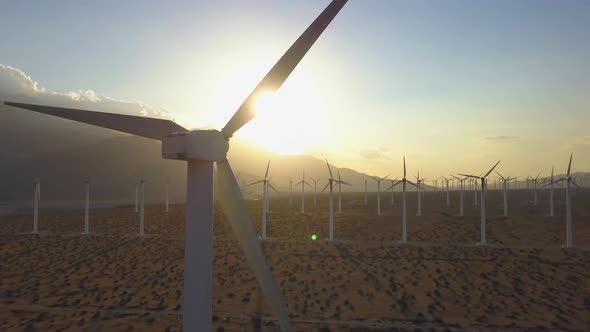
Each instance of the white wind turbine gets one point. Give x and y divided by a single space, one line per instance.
483 238
379 192
87 207
315 187
330 185
340 183
265 186
461 193
392 191
446 184
505 186
551 204
569 239
404 181
141 207
535 182
419 182
303 184
202 149
167 196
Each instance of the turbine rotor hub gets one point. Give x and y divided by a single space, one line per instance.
208 145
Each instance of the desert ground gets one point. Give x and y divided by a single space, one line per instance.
113 280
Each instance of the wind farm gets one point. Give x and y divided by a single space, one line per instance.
143 225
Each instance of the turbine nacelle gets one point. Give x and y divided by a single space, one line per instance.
208 145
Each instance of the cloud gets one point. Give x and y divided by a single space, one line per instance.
375 153
501 138
16 85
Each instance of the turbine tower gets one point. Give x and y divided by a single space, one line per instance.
392 195
483 239
141 207
87 207
201 149
36 200
167 196
447 190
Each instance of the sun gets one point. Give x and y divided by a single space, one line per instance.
289 121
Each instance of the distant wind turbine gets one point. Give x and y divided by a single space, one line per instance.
569 239
505 185
447 190
330 185
461 193
87 207
141 207
36 200
419 182
483 239
340 183
315 186
403 181
303 184
379 192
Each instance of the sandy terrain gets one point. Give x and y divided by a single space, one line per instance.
365 281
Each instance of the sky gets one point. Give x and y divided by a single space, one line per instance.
453 85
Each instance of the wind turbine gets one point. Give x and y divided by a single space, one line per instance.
551 204
303 184
379 192
483 239
340 183
462 188
447 190
330 184
141 207
167 196
315 186
535 182
87 207
419 182
264 199
505 184
36 199
137 197
201 149
403 181
569 239
392 195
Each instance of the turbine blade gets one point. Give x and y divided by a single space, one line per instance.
136 125
569 166
404 167
272 187
415 185
236 213
490 171
374 178
267 166
500 175
346 183
283 68
329 169
385 177
338 170
398 182
327 184
470 176
255 182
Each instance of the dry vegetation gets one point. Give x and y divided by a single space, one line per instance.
114 281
